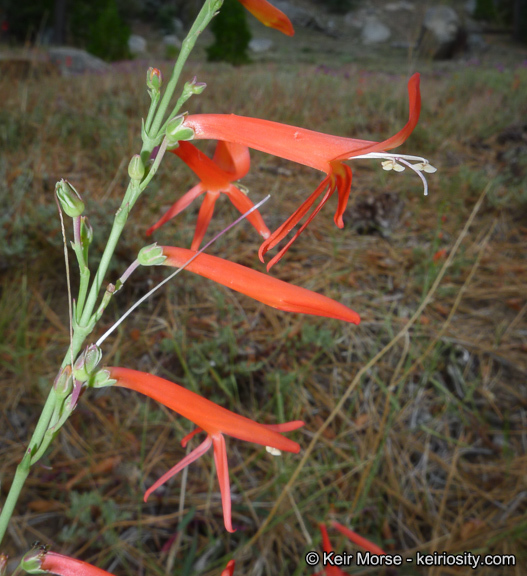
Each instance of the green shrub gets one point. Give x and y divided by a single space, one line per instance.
232 35
108 34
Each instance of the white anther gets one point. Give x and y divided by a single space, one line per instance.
392 165
273 451
425 167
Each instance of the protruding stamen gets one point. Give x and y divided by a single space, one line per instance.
394 161
418 172
273 451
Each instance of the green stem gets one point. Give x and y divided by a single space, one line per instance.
206 14
83 289
18 482
86 305
23 468
118 224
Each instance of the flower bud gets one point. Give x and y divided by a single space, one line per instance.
175 131
136 168
63 383
69 199
3 564
86 231
151 255
154 79
194 87
87 363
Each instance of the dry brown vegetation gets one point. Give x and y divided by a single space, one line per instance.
416 421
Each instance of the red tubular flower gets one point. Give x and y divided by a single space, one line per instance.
359 540
66 566
231 162
209 417
269 15
229 569
261 287
329 569
321 151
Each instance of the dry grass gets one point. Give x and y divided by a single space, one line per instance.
428 450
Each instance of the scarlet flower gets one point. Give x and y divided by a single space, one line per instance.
261 287
269 15
66 566
357 539
230 162
229 569
321 151
211 418
331 570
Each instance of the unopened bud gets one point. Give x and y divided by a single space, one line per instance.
151 255
87 363
3 564
86 231
194 87
154 79
136 168
63 383
176 131
69 199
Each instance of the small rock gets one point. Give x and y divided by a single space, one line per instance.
172 40
374 31
258 45
136 44
397 6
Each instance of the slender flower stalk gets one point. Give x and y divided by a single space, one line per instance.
209 417
315 149
230 162
261 287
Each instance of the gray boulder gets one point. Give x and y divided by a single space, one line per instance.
136 44
72 61
258 45
374 31
442 34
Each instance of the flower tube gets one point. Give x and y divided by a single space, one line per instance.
210 418
315 149
261 287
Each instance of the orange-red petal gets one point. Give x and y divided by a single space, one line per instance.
222 469
66 566
269 15
210 417
259 286
359 540
307 147
232 158
229 569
